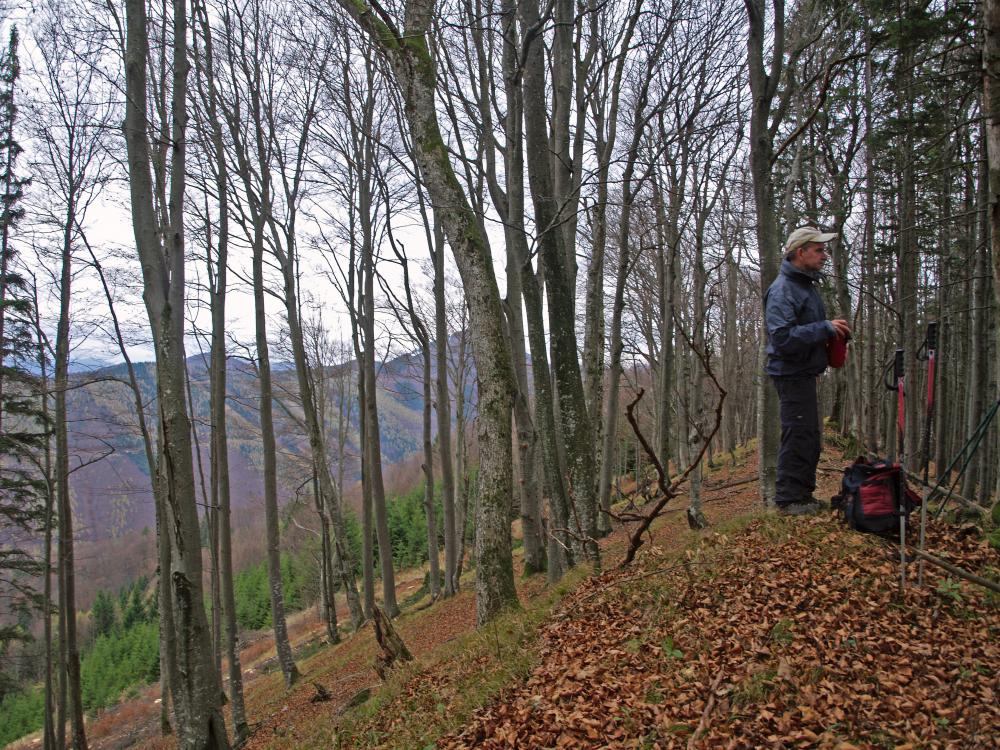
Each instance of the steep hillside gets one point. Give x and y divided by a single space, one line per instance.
762 631
112 496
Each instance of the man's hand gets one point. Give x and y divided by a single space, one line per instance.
842 327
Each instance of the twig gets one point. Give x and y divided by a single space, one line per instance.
730 485
669 491
956 571
709 707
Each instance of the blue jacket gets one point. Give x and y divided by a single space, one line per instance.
797 328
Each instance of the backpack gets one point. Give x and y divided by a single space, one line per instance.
870 495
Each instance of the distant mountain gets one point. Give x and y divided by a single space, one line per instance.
110 482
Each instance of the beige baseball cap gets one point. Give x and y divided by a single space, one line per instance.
802 235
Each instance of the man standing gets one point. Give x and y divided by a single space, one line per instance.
797 335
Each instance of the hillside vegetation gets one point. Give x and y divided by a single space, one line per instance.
763 631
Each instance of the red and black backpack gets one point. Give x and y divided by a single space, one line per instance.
873 495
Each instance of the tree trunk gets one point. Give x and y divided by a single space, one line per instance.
763 87
428 467
443 407
48 607
161 253
373 438
991 114
367 514
269 449
908 249
415 74
519 263
66 555
978 372
560 294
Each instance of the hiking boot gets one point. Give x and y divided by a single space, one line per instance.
805 508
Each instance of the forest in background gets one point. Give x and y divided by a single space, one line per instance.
583 201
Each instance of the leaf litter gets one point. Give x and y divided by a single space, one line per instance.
790 633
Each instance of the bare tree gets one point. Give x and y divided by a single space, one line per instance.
210 125
414 71
160 248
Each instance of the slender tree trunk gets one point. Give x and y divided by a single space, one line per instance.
978 372
373 438
443 407
527 283
575 425
317 442
161 253
219 434
48 608
763 87
667 275
991 113
367 514
428 467
731 350
283 647
66 553
695 515
908 249
219 440
870 419
461 470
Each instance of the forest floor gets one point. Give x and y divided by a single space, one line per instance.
761 631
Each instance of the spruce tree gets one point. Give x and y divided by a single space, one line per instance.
22 425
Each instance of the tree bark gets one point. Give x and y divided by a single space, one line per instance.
763 87
414 71
443 408
219 445
373 438
196 689
270 455
576 428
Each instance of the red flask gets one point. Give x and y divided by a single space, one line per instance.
836 351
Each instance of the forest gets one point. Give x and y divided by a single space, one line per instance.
428 281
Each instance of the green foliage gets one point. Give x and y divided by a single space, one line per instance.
22 713
253 592
124 654
103 614
408 526
950 590
24 427
117 661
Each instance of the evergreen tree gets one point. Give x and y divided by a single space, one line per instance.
103 614
22 425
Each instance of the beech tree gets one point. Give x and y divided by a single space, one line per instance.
414 73
160 249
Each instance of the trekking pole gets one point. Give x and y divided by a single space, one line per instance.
965 456
900 377
930 347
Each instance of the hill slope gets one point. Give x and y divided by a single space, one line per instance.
762 631
112 496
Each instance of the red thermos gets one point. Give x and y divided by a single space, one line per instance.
836 351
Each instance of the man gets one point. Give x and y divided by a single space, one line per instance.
797 335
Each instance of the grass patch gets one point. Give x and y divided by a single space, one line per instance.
755 689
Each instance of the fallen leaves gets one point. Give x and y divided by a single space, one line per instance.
795 636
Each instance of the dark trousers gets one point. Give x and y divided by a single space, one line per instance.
800 439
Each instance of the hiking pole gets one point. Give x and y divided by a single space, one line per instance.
930 348
965 455
900 377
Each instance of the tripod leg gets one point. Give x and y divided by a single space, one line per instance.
923 524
